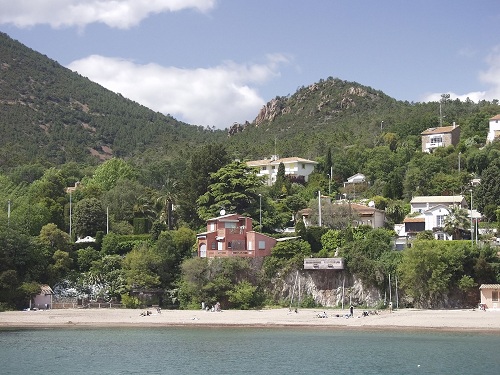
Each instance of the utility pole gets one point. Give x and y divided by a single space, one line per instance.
70 219
471 228
319 208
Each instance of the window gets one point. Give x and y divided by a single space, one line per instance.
273 167
303 166
494 295
214 245
437 139
263 168
440 236
229 225
262 245
229 244
440 221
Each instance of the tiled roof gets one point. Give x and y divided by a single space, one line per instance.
361 208
489 286
438 199
281 160
414 220
497 117
439 130
45 289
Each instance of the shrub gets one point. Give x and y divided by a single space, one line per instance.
130 302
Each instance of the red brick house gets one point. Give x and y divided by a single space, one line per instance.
232 236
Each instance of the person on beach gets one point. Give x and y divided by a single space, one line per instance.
351 310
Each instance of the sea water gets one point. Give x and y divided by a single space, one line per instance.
275 351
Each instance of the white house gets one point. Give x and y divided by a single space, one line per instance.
435 221
432 212
297 168
358 178
494 130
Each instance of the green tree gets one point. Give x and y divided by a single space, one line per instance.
61 266
363 255
456 221
234 187
331 241
286 256
243 295
488 192
52 236
122 198
89 217
428 270
107 175
217 280
85 258
141 267
205 161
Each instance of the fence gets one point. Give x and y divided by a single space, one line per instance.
90 305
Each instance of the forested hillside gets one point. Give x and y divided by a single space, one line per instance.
52 115
341 114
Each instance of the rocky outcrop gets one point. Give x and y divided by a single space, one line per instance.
271 110
237 128
326 287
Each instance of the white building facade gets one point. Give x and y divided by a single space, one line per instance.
494 129
297 168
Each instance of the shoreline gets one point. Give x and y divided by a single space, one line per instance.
399 320
463 320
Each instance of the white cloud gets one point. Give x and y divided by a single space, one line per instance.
490 77
216 96
120 14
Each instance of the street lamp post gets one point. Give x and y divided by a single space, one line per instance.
471 231
319 208
381 125
70 213
329 184
260 212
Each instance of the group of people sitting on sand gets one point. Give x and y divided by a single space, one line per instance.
148 313
214 308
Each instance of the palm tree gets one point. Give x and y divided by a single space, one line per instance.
456 221
166 201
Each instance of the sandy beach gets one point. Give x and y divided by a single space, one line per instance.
404 319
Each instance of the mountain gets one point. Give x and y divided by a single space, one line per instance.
51 114
338 114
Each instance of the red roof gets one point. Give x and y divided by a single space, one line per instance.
414 220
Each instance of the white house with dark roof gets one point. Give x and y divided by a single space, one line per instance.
494 130
297 168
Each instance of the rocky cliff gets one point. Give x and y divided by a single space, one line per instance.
327 288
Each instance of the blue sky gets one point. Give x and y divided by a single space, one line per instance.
216 62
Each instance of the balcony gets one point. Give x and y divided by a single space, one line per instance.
432 145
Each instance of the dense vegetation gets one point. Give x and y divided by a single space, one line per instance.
59 129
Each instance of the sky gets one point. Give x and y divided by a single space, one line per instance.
217 62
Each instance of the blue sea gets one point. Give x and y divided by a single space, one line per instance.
275 351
